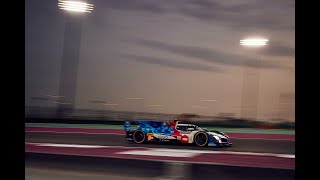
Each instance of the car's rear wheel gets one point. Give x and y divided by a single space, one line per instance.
201 139
139 136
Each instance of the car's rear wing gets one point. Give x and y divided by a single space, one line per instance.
129 132
127 125
149 124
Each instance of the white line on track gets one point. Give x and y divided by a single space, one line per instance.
67 145
166 151
163 151
156 152
262 139
79 145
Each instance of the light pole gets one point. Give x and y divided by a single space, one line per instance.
71 48
251 80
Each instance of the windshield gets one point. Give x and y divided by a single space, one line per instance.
200 129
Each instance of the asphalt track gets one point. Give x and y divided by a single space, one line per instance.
52 167
239 145
40 173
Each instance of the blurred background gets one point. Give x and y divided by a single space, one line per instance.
105 61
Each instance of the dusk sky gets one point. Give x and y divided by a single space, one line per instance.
173 53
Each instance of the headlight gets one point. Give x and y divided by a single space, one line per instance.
224 134
217 138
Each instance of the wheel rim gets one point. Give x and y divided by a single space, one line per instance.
201 139
138 137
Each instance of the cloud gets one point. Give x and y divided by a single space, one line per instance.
208 55
249 15
101 8
278 49
172 63
152 6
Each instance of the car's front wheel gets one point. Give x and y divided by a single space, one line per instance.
201 139
139 136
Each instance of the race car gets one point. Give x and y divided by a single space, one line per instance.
158 131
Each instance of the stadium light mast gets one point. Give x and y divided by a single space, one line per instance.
75 6
251 80
254 42
75 10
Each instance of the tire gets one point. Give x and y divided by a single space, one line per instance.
201 139
139 137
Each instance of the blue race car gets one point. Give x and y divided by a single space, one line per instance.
158 131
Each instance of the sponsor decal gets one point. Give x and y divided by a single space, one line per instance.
184 139
162 137
150 138
179 138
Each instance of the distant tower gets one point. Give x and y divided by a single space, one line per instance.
69 64
250 93
251 80
74 11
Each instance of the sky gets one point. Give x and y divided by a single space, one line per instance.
173 53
